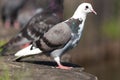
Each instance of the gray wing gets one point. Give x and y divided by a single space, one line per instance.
39 25
35 29
56 38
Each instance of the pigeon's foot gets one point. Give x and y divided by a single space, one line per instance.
64 67
25 45
7 24
16 25
60 66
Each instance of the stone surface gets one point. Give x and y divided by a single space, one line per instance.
37 69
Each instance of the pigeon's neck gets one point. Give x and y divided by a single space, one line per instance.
79 14
74 24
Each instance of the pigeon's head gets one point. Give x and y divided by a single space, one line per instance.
82 10
87 8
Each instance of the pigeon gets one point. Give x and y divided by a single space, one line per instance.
26 15
10 11
60 38
30 9
37 26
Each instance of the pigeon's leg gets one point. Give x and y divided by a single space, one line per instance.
16 24
57 53
28 51
7 24
60 66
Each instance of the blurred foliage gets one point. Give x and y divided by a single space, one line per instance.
111 29
2 42
117 7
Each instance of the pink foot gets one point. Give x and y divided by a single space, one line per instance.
64 67
16 25
25 45
7 24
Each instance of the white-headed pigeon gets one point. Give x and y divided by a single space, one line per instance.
60 38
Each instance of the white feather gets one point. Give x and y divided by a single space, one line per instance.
27 51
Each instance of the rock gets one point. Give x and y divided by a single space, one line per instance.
36 69
57 74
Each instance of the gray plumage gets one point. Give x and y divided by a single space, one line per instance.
59 35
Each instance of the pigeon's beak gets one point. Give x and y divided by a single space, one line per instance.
94 11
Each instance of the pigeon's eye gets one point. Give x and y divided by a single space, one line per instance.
86 7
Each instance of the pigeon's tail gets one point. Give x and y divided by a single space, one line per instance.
28 51
16 41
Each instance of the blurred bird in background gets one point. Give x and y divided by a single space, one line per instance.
38 25
18 12
25 16
30 9
9 12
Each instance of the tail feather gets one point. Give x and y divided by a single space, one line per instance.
16 41
28 51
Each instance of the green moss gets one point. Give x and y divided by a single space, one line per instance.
2 42
5 74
